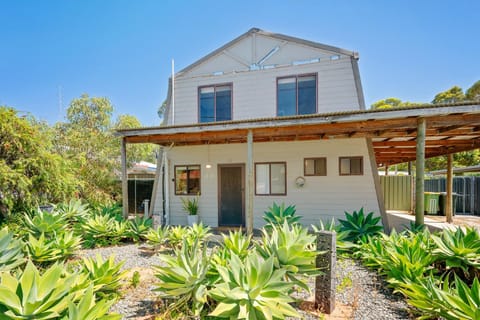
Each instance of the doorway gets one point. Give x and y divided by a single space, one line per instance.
231 195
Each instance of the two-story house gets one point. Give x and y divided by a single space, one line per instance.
270 118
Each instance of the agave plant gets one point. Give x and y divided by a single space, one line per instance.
68 243
252 289
11 255
42 250
292 249
138 228
460 249
74 210
99 230
89 308
176 235
184 277
360 226
343 245
157 236
32 295
278 214
45 223
198 233
237 243
106 275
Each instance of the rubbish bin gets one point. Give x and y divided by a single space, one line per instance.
431 200
442 204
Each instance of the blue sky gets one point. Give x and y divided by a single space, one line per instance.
122 49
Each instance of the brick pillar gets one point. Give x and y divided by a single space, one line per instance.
325 286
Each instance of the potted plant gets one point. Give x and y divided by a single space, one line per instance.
190 206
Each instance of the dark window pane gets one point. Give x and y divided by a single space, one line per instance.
286 97
307 87
321 167
224 103
207 104
356 166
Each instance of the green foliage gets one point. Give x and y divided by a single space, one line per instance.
46 223
460 250
89 308
102 230
473 93
237 243
30 173
11 255
343 245
184 277
32 295
68 243
135 281
198 233
138 228
252 289
157 236
73 211
106 275
452 95
360 226
190 205
292 249
42 250
278 214
176 235
446 301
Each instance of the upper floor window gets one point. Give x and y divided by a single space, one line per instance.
297 95
215 103
315 166
351 166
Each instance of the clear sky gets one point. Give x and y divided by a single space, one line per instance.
52 51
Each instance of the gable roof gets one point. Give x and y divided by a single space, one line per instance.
271 35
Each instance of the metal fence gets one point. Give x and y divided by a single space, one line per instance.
397 192
466 188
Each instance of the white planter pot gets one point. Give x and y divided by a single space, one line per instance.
192 220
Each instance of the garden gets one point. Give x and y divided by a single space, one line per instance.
49 269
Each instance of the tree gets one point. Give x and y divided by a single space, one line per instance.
391 103
30 172
473 93
452 95
135 152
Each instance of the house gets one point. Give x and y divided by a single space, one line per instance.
273 118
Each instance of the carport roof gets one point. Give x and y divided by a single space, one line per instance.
451 128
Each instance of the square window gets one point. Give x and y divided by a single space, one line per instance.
270 178
297 95
351 166
315 167
215 103
187 180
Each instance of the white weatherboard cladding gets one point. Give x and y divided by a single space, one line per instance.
322 197
254 92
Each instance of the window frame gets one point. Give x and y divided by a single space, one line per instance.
270 177
315 174
214 86
296 91
199 182
350 166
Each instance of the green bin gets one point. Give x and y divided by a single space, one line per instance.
432 201
443 202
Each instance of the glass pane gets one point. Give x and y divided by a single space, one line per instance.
193 180
224 103
207 103
321 167
309 167
262 179
286 97
345 166
181 180
307 95
277 178
356 166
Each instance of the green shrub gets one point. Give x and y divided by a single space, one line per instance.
157 236
237 243
360 226
74 210
343 245
292 249
106 275
42 250
68 243
278 214
138 228
184 278
102 230
252 289
11 254
89 308
176 235
32 295
46 223
460 251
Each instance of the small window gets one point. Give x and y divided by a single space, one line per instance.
315 167
351 166
297 95
215 103
187 180
271 178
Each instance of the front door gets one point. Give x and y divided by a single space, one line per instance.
231 199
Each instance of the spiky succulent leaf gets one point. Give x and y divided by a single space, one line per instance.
278 214
360 226
11 254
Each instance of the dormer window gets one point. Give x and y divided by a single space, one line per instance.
297 95
215 103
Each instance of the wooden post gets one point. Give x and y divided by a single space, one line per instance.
448 201
250 183
123 158
325 286
386 170
420 173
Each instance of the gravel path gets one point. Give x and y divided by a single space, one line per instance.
361 294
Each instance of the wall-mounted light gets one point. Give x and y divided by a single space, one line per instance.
208 165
